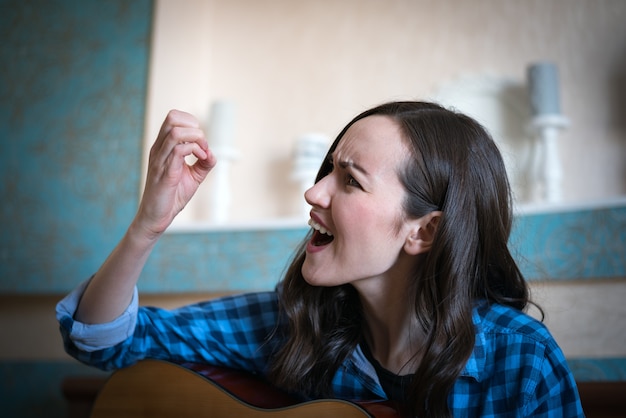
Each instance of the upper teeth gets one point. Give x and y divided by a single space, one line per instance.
319 227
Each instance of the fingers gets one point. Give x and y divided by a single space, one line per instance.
172 163
176 118
185 141
180 132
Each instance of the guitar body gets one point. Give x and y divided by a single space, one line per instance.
153 388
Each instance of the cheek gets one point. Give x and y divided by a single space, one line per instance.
372 227
355 219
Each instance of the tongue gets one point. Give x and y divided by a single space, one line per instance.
320 239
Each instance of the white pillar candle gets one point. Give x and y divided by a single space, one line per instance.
221 124
310 150
221 142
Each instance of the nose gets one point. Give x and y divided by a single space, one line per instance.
319 195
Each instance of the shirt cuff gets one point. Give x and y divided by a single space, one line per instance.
93 337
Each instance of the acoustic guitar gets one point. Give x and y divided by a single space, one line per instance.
154 388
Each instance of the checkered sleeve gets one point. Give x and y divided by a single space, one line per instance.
231 331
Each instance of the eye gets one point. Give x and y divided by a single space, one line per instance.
351 181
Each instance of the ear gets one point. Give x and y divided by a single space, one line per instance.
422 233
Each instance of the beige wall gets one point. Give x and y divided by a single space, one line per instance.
294 67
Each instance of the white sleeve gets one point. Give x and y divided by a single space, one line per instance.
92 337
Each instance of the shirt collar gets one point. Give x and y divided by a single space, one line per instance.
364 371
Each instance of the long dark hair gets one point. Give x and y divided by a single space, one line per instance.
455 168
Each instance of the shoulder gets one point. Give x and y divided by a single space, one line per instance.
519 363
508 336
496 320
511 342
508 339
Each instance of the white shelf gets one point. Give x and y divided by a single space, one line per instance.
186 227
541 208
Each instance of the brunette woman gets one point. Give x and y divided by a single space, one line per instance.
404 289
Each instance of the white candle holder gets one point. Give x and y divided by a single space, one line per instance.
547 128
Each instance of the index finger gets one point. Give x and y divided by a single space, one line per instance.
176 118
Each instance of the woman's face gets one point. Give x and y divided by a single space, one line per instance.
360 202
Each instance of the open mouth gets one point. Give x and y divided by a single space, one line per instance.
321 236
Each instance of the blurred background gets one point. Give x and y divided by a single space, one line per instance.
292 68
85 85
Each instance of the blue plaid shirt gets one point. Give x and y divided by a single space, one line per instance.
516 369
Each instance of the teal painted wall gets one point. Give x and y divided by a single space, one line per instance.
72 101
572 244
563 245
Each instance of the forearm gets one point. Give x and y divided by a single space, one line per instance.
111 289
170 184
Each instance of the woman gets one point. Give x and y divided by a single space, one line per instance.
404 289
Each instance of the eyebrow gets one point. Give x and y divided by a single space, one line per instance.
347 163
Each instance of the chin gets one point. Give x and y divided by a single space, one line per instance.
319 281
311 279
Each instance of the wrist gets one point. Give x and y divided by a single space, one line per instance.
141 235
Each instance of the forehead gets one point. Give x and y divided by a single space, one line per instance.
375 142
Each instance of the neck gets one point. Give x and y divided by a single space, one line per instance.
391 329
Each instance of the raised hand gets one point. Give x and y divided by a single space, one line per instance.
171 182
